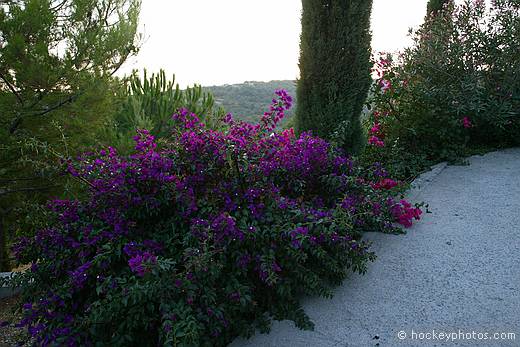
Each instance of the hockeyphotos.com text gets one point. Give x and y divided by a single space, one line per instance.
459 335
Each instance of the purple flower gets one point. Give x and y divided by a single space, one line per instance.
379 170
131 249
296 243
349 203
224 229
297 235
376 208
36 329
244 261
228 119
79 276
235 296
141 263
277 110
144 142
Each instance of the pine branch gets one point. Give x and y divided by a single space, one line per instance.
16 123
13 89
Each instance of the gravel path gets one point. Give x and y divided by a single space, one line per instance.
455 272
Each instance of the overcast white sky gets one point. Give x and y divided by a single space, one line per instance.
213 42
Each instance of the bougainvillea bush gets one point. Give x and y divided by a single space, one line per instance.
455 91
203 239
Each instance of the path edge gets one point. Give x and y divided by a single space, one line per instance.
425 179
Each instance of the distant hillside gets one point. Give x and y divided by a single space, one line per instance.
249 100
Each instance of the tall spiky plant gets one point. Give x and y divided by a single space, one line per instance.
150 101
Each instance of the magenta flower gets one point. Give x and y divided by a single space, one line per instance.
385 85
375 128
404 213
277 110
386 183
376 141
466 123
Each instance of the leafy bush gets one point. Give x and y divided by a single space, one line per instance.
456 90
202 240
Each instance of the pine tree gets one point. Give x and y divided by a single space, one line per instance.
57 58
334 69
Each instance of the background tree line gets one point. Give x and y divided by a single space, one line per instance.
247 100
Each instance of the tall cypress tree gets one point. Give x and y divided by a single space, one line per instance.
334 69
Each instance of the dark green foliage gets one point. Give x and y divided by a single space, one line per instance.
434 6
56 90
246 101
334 69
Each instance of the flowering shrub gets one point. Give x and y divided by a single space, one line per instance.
456 90
204 239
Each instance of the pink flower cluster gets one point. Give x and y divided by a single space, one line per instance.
376 136
385 183
277 109
376 128
405 213
376 141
